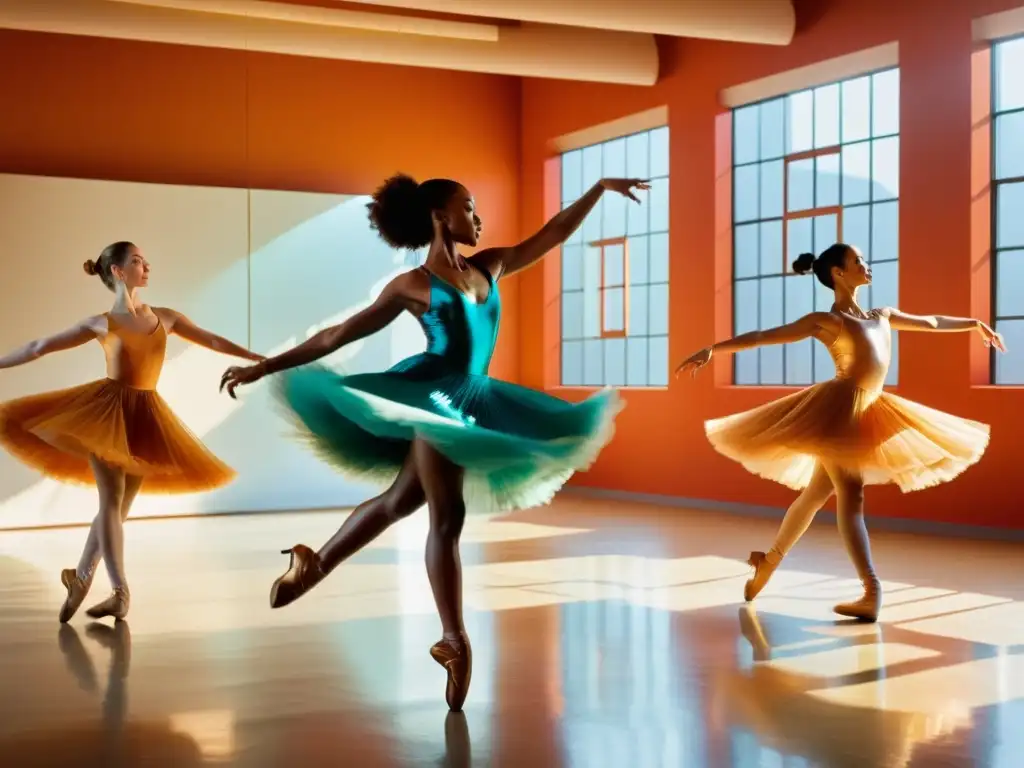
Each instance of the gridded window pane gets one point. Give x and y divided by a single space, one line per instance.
885 232
638 260
799 239
885 103
885 169
771 248
611 288
659 258
614 309
745 250
856 164
800 185
746 135
1009 64
1009 220
800 122
658 309
856 118
745 193
659 152
658 205
658 361
773 127
636 361
572 315
1010 284
638 310
1009 141
572 363
826 181
572 176
593 362
615 362
826 116
1010 368
772 189
860 117
614 271
638 156
572 268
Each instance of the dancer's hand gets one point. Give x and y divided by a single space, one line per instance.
990 337
694 363
241 374
625 187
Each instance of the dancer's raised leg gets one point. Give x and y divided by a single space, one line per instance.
442 483
850 507
798 519
368 521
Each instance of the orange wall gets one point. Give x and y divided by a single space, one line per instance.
120 110
660 447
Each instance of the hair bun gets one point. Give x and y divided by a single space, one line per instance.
804 263
399 213
90 267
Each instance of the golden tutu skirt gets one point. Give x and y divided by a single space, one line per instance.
132 429
885 438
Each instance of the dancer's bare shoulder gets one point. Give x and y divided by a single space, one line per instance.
409 290
824 325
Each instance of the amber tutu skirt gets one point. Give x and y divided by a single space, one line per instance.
133 429
887 438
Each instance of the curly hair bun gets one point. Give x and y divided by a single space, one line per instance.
401 214
91 267
804 263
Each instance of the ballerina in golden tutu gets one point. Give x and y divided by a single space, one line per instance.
116 433
843 434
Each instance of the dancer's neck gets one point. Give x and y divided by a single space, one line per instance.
125 301
846 301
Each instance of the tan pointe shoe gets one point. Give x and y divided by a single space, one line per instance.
303 574
764 565
77 590
457 659
116 605
868 607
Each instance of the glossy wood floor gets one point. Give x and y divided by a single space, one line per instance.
604 634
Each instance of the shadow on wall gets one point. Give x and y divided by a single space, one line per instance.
313 261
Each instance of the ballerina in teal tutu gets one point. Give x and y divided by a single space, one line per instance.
436 428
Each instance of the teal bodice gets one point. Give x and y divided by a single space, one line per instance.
459 331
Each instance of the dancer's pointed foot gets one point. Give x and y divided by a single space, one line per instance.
764 565
868 607
77 588
750 626
116 605
304 573
455 655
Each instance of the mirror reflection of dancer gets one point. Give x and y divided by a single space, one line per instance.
843 434
116 433
436 427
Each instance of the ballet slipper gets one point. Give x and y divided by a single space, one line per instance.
764 565
868 607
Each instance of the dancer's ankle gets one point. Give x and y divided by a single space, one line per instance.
455 639
774 555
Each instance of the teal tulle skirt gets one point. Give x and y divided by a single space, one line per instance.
517 446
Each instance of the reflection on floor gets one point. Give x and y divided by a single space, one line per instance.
604 635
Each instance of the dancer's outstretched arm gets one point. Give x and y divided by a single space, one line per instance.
816 324
902 321
75 336
398 295
505 261
177 323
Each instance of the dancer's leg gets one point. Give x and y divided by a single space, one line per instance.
798 519
110 481
371 518
79 580
850 506
442 483
368 521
